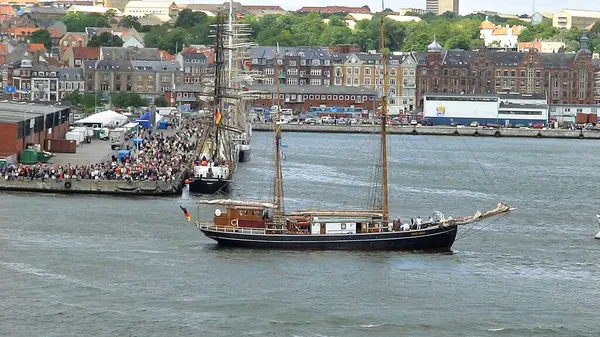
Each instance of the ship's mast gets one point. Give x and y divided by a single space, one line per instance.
230 55
384 108
219 91
278 175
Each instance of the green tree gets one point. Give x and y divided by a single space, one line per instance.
76 22
161 101
187 19
75 97
129 21
174 40
90 100
105 39
541 31
125 100
111 13
42 36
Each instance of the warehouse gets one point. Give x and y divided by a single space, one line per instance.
504 109
23 123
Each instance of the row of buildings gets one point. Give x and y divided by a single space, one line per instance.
566 78
315 76
144 71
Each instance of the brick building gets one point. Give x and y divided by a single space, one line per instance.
566 78
21 124
302 98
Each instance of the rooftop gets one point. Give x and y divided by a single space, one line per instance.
13 112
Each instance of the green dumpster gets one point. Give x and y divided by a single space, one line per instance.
29 157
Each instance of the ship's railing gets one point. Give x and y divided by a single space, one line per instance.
230 229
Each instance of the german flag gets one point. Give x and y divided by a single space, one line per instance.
186 213
217 117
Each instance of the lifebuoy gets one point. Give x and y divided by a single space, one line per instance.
476 133
414 132
68 184
234 223
539 135
581 135
456 133
497 134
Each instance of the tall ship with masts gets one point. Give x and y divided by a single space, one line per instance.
216 158
237 77
268 225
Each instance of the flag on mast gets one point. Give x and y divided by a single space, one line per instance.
186 213
217 116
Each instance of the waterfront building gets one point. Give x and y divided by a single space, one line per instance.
567 113
298 65
302 98
149 79
21 124
568 78
502 109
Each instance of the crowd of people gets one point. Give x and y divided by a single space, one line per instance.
162 156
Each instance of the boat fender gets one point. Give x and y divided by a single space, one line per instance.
68 184
456 133
497 134
581 135
476 133
234 223
414 132
539 134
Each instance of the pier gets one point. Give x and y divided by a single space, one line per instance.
437 131
95 153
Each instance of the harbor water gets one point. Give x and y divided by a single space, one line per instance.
114 266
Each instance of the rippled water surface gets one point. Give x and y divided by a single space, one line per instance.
100 266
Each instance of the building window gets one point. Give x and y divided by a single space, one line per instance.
367 81
367 71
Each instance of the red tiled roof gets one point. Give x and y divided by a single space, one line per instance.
164 55
265 7
35 47
16 31
86 53
52 61
7 10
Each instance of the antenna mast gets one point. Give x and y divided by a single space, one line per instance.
384 107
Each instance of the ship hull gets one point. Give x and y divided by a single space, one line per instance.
244 156
438 239
209 185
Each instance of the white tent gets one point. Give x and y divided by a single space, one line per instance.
104 118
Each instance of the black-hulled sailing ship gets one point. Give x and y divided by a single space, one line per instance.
266 224
216 159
